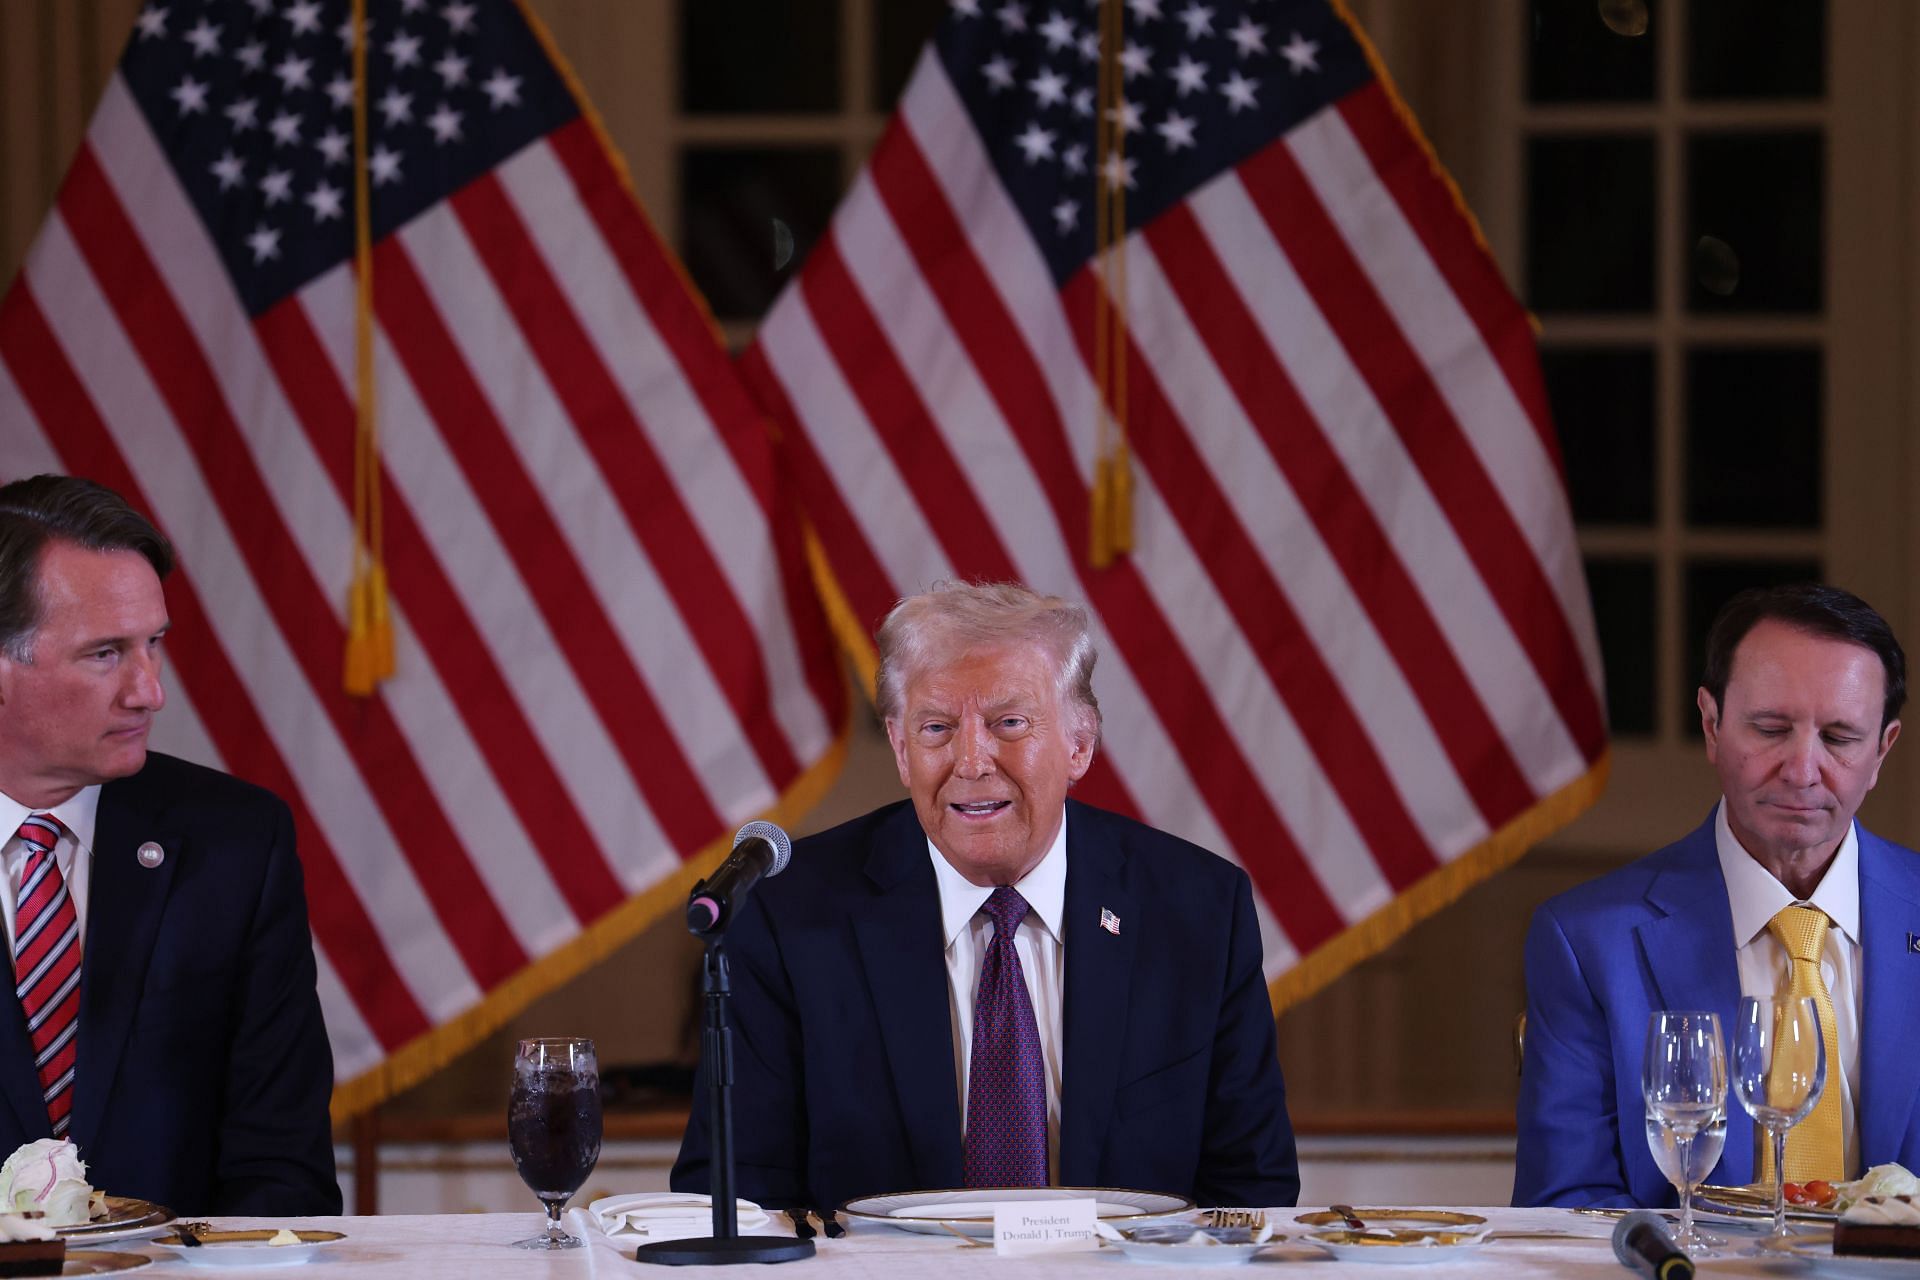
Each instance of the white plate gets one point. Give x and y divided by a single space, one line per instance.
250 1253
125 1219
970 1210
1193 1255
1817 1252
1392 1253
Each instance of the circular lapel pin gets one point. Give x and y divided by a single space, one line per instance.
151 855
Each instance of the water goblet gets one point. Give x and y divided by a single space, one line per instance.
553 1127
1684 1081
1708 1143
1779 1073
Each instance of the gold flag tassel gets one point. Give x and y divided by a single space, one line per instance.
1110 504
369 656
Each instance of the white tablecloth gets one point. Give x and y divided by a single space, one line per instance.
463 1245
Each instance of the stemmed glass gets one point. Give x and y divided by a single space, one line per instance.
1779 1073
1684 1082
553 1127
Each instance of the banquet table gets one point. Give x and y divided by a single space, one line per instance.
430 1247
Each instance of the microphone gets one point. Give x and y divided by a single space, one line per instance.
759 850
1641 1242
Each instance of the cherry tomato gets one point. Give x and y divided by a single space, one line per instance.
1819 1191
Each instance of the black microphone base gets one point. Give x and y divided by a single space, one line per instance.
710 1252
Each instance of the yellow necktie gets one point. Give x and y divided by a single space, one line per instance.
1816 1147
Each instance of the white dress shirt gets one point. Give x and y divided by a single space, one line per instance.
1756 897
1040 942
73 854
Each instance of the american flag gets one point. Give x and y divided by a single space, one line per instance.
609 651
1352 646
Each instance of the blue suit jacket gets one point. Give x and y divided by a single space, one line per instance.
202 1074
1658 934
843 1044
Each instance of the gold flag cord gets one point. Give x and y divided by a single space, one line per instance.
369 655
1110 505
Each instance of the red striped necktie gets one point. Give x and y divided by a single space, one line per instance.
46 966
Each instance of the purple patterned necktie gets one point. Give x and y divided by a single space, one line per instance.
1006 1141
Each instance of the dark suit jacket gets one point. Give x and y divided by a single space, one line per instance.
1658 934
843 1044
203 1071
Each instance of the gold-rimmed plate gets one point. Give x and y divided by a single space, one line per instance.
125 1219
248 1248
1394 1219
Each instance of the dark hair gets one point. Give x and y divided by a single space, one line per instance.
1812 607
43 509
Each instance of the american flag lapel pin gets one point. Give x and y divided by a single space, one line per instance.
1110 922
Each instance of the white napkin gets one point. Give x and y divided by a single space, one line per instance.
668 1215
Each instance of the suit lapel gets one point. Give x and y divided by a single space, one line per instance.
1098 980
1690 951
18 1080
899 939
124 905
1890 999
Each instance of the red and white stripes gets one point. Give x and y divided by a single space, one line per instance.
1352 641
609 655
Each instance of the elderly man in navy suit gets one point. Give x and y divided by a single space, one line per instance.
164 1015
1779 893
991 984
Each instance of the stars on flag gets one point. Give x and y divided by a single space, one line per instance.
502 90
1239 93
1249 37
404 49
327 202
445 123
1035 143
205 39
260 96
191 96
265 242
1197 78
1302 54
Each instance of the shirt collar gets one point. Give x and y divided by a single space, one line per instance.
1044 888
76 814
1756 896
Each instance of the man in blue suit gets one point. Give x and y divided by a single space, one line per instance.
163 1013
888 1035
1799 705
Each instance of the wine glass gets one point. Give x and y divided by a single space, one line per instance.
1779 1073
553 1126
1684 1082
1708 1143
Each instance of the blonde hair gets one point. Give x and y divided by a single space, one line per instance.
952 617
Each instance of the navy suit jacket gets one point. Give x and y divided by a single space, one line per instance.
843 1043
203 1073
1658 934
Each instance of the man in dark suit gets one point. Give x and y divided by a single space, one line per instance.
992 984
1799 705
164 1015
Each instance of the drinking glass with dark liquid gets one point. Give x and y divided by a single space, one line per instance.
553 1126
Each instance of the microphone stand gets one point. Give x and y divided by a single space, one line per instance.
726 1245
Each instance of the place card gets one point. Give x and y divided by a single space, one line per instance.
1021 1229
